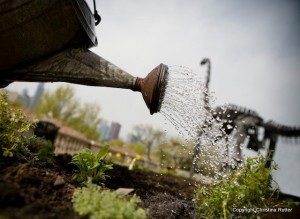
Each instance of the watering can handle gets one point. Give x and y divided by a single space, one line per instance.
96 15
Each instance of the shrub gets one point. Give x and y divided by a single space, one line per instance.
13 128
96 203
90 165
250 186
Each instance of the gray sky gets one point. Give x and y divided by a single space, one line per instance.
253 45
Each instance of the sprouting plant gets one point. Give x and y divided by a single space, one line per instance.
249 186
43 149
91 165
98 203
13 129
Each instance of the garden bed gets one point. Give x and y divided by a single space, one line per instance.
42 190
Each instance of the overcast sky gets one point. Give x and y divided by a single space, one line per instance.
253 46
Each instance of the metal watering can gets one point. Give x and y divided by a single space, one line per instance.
48 41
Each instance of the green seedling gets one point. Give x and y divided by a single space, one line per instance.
249 186
91 165
98 203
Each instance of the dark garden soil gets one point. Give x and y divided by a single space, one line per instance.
42 190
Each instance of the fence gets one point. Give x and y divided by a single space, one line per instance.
69 141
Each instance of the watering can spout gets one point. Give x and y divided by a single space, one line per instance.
153 87
81 66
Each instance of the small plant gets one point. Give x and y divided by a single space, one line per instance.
13 129
96 203
249 186
43 149
91 165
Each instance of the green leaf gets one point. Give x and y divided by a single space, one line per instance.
96 164
6 153
90 166
102 153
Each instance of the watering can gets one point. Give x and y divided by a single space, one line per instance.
48 41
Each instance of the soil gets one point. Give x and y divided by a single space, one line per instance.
42 190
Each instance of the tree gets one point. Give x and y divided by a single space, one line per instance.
86 121
63 105
149 136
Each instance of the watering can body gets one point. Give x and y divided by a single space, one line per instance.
48 41
34 29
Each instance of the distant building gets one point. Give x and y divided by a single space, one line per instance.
25 99
115 130
105 131
109 132
38 93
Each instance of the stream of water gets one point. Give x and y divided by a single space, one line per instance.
184 106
